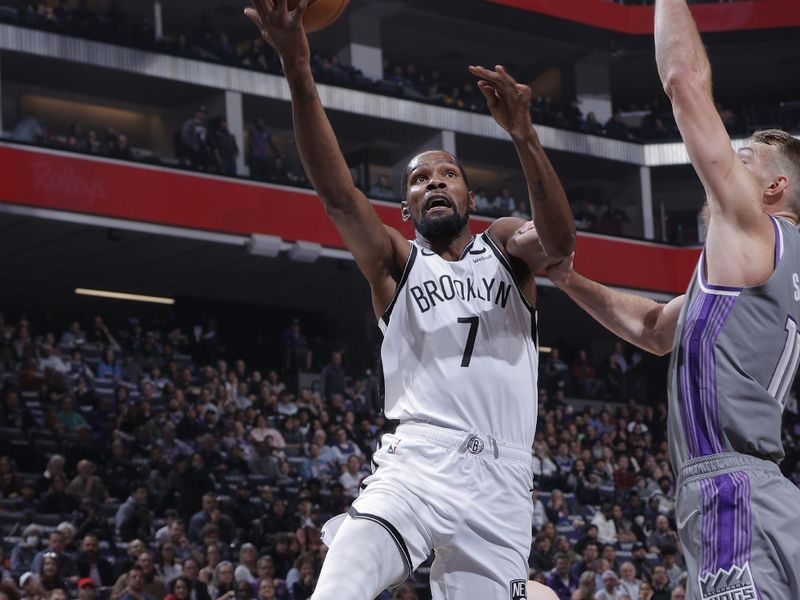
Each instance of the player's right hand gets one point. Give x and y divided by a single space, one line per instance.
560 272
281 28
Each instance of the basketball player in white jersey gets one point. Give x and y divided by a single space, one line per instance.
459 351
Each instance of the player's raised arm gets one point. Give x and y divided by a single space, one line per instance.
379 251
554 235
641 321
686 76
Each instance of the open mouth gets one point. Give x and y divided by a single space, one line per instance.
438 201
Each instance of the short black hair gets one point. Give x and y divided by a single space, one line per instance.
407 171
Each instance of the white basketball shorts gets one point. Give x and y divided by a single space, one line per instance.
465 496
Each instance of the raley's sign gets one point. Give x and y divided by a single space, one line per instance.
44 178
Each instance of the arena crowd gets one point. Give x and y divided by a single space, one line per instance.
139 464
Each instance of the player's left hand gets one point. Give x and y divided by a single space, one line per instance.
560 272
509 101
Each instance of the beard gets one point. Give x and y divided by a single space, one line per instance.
441 228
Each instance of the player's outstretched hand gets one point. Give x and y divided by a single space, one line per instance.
560 272
280 27
509 101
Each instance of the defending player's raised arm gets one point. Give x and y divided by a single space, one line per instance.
509 103
641 321
686 76
377 249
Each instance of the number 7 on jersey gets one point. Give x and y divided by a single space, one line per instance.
473 332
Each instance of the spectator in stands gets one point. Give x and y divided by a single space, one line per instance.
504 202
77 139
561 580
586 587
50 576
606 527
168 565
210 513
352 476
344 447
29 587
247 569
611 589
144 580
265 590
382 189
678 593
223 585
226 150
557 508
128 509
68 418
134 587
25 550
194 140
296 353
91 565
259 144
665 496
108 367
629 583
660 585
28 129
541 557
616 128
87 589
179 589
99 333
57 501
674 572
333 379
55 547
663 535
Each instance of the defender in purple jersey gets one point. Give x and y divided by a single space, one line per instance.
734 338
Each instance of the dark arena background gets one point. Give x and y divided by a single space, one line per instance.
209 420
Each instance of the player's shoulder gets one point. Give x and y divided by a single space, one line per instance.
503 228
538 591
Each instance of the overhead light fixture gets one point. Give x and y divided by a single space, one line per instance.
307 252
123 296
264 245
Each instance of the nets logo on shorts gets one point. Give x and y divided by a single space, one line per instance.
519 589
475 445
735 583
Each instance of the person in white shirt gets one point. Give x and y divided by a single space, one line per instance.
611 588
539 512
352 476
629 583
51 361
606 528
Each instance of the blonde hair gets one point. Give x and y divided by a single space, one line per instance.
788 153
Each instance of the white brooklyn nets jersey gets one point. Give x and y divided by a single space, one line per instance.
460 347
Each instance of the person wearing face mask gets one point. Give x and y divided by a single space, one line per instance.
25 550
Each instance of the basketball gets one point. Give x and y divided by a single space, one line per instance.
320 13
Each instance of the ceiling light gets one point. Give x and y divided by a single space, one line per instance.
123 296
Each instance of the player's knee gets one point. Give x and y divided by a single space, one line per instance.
537 591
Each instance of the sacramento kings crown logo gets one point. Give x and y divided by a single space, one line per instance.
734 584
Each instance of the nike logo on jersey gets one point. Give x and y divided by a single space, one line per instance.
682 523
446 288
